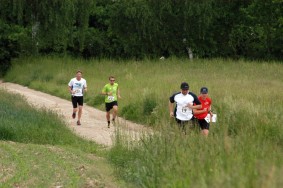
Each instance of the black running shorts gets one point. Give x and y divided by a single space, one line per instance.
203 124
77 100
109 106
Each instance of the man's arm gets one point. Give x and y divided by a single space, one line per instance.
104 92
209 109
171 107
199 106
119 96
85 87
196 102
196 111
70 89
171 104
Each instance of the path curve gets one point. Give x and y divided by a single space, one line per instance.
94 125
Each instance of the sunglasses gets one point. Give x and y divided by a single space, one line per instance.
112 80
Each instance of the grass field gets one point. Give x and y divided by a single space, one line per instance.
244 148
146 85
38 150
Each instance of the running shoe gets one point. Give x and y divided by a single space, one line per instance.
78 122
74 115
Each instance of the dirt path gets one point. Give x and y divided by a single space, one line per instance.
94 125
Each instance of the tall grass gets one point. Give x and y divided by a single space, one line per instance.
141 81
244 148
22 123
248 157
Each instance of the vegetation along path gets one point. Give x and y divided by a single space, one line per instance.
94 125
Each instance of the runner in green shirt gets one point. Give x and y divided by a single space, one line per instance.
112 93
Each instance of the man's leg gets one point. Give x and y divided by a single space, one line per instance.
184 127
204 125
81 103
205 132
74 113
181 125
108 118
115 111
75 106
108 107
80 113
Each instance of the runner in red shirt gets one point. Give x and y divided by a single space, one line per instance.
202 113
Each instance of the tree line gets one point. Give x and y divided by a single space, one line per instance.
142 28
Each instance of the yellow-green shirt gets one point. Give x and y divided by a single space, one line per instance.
113 89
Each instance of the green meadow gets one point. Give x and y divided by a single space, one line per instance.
245 145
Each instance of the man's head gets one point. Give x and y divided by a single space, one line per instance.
203 92
111 80
185 88
79 74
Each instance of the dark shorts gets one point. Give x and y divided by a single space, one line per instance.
77 100
109 106
184 125
203 124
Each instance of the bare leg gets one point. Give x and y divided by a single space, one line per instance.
80 113
205 132
75 110
115 111
108 116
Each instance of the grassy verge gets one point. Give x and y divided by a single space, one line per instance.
245 146
21 123
32 165
38 150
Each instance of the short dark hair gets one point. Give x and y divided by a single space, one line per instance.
79 71
111 77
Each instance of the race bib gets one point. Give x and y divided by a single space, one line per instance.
78 91
183 109
111 98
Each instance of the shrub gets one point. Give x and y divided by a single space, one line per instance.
96 100
132 112
149 104
12 41
5 134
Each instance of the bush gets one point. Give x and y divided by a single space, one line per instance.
132 112
96 101
5 134
149 104
5 64
142 111
12 38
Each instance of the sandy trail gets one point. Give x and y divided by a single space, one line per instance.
94 125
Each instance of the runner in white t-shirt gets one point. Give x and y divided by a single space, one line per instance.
184 100
77 87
